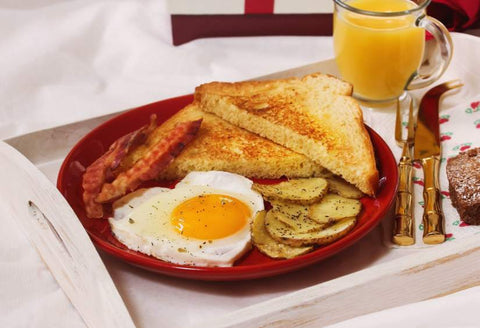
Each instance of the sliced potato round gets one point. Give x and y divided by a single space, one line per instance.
269 246
341 187
295 216
330 234
282 233
277 229
334 207
299 191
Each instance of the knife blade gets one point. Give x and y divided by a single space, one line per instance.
63 244
427 150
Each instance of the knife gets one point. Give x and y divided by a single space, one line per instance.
55 231
427 150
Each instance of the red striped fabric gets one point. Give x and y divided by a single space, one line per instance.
259 6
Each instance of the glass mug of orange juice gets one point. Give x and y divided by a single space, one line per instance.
380 45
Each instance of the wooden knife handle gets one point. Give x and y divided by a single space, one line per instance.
403 229
433 218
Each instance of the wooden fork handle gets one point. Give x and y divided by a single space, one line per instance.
433 218
403 229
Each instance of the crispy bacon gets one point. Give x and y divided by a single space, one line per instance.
96 174
156 160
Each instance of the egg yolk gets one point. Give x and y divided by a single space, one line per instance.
210 216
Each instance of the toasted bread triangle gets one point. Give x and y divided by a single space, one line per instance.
222 146
314 116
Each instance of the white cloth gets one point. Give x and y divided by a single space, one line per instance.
455 311
64 61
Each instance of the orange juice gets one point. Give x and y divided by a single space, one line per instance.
378 54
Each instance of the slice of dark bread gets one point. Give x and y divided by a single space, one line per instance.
463 173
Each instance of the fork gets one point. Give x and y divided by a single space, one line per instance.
403 228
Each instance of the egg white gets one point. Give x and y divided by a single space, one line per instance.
141 220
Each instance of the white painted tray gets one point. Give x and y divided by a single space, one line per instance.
364 278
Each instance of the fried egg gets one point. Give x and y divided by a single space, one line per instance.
204 221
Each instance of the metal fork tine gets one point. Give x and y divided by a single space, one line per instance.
398 125
411 124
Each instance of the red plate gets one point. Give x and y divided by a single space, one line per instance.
252 265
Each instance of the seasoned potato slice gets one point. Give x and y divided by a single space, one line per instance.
269 246
299 191
343 188
284 234
295 216
334 207
277 229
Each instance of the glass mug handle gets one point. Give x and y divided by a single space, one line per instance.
444 42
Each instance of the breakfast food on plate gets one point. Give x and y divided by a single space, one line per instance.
343 188
306 132
314 116
269 246
222 146
301 191
316 224
284 234
463 173
157 158
97 172
204 221
334 207
295 216
320 221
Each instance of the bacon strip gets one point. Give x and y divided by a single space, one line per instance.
96 174
156 160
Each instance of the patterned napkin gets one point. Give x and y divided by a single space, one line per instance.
459 131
